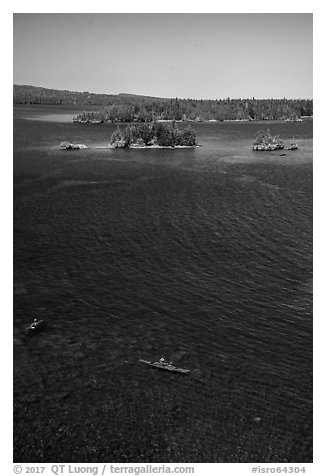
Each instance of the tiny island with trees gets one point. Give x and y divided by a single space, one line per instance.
153 135
265 141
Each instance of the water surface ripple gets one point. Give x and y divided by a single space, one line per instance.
203 256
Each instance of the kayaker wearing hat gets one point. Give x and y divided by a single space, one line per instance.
164 362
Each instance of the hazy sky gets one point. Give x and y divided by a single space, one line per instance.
185 55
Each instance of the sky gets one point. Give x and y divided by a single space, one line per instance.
213 55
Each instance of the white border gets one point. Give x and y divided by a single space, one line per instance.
168 6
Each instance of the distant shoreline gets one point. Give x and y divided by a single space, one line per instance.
103 108
67 119
189 121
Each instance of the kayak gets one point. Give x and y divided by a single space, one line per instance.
169 367
35 326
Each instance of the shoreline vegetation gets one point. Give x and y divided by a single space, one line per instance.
104 117
132 108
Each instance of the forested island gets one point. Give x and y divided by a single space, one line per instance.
126 108
153 135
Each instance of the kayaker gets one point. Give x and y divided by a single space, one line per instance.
34 323
164 362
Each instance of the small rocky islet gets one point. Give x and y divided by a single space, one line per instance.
265 141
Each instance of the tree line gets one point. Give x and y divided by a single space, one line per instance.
133 108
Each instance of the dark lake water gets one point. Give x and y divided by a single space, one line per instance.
203 256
